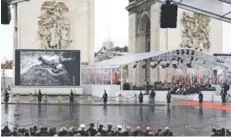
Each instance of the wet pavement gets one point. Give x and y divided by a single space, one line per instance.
186 120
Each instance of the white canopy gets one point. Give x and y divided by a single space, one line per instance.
190 55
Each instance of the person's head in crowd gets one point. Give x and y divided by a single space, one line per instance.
100 127
92 125
119 127
71 129
82 126
138 128
128 129
148 129
166 128
109 126
223 132
213 132
26 133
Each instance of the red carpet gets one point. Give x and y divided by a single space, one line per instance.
205 104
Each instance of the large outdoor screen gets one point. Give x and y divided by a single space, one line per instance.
47 67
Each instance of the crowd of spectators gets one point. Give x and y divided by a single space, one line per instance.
174 87
220 132
82 131
101 131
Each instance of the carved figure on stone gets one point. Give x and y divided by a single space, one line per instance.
195 33
53 26
55 37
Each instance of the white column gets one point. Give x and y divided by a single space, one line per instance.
121 77
111 74
166 72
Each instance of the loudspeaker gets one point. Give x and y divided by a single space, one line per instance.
5 13
168 17
189 65
167 65
153 66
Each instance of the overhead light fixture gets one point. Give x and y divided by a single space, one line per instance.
167 65
174 66
134 66
163 66
153 66
192 52
182 52
192 58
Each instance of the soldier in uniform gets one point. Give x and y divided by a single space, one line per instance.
71 96
200 97
105 97
168 97
141 96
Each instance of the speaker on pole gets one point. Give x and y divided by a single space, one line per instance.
5 12
168 17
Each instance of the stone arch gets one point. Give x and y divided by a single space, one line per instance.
143 44
144 22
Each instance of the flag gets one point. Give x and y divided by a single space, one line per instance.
188 79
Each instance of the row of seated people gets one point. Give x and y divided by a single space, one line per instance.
193 88
82 131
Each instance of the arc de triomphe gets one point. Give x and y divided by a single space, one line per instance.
145 35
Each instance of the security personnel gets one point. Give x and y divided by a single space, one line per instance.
120 98
168 97
45 98
200 97
141 96
223 97
71 97
6 96
40 95
135 98
59 99
18 98
89 98
105 97
152 96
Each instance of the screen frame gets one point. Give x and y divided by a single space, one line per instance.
17 70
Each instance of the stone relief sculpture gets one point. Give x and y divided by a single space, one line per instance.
53 26
195 33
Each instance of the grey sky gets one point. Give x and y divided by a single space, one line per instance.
111 22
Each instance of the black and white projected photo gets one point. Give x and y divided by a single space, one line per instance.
47 68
